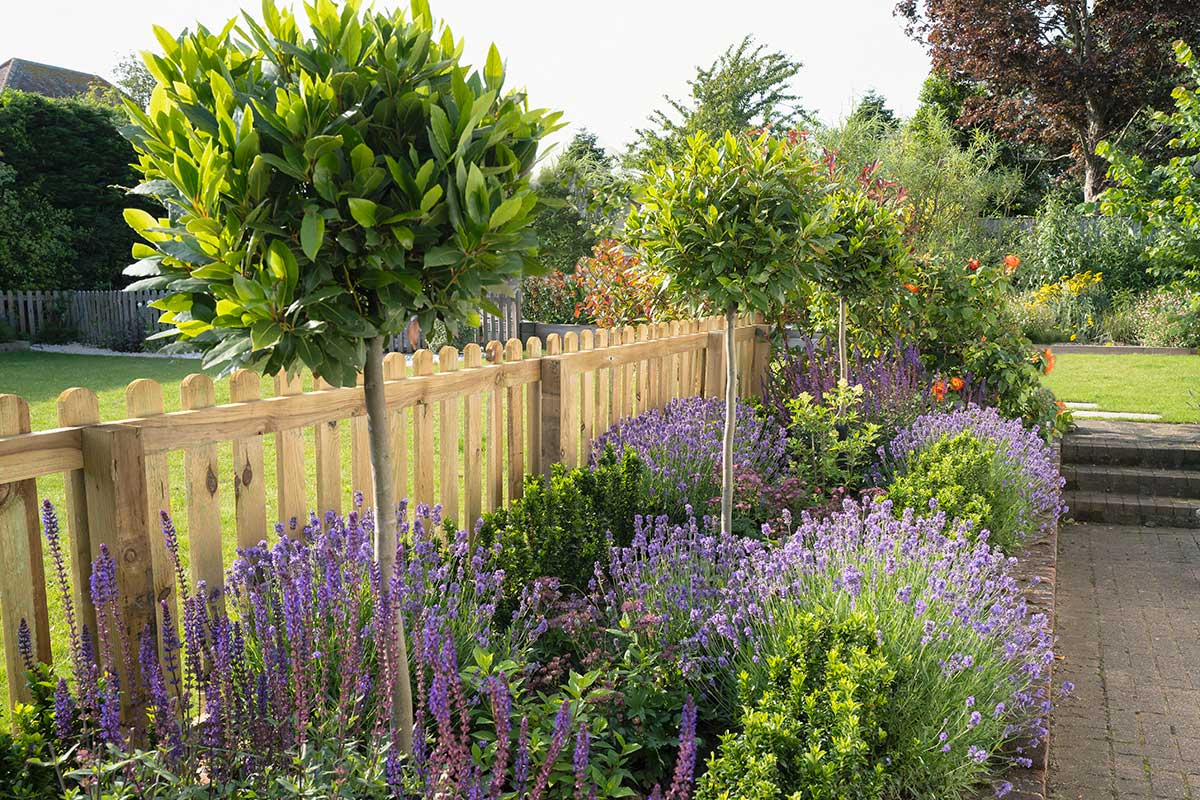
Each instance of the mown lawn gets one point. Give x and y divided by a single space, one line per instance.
41 377
1166 385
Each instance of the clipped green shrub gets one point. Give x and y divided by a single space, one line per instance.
811 721
561 525
968 481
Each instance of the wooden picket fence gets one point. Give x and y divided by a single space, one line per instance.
503 411
122 320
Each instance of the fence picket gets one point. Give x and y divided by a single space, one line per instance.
587 394
203 496
473 443
495 435
448 441
23 578
603 390
533 414
143 398
422 414
78 406
516 426
327 441
289 465
249 481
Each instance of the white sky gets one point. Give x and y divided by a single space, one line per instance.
605 63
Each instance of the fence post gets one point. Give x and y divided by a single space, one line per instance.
560 414
114 471
23 579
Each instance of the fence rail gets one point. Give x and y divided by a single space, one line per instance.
466 434
121 320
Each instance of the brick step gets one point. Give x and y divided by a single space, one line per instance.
1142 481
1132 509
1122 453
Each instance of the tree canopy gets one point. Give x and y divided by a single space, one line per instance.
746 87
1061 73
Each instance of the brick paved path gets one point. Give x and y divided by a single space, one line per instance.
1128 627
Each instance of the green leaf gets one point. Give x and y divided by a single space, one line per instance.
312 232
362 158
431 198
265 334
363 211
493 68
443 256
141 221
504 212
281 263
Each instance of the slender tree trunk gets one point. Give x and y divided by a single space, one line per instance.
730 422
843 362
385 526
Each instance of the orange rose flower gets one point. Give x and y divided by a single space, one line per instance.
912 288
939 390
956 384
973 264
1011 263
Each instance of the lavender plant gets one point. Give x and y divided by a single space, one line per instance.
1024 464
971 660
680 446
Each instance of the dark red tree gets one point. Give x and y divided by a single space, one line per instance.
1064 74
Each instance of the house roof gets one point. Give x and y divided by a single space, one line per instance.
44 79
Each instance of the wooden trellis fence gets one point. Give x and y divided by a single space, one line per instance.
466 435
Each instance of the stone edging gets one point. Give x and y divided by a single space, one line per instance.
1121 350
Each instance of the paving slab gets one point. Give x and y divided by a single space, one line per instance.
1127 619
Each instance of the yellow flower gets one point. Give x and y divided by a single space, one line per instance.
1074 337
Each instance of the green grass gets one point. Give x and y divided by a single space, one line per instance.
1166 385
41 377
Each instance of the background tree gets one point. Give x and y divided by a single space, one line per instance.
1164 198
873 109
67 163
567 226
129 78
736 222
1062 73
747 87
323 191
